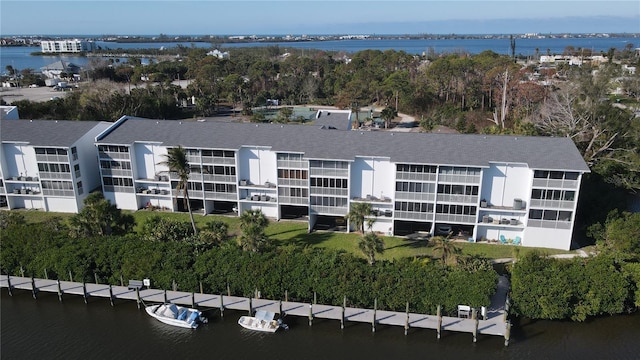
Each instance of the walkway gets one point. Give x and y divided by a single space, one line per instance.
494 324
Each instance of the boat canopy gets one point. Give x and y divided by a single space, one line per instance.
265 315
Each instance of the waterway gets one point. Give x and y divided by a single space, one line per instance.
46 328
21 58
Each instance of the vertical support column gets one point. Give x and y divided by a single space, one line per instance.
286 296
507 333
21 271
138 300
193 300
95 275
228 290
507 305
474 317
46 276
70 276
110 295
439 327
315 298
344 305
34 290
201 292
9 286
375 310
280 309
165 296
250 307
121 280
310 314
84 291
406 322
221 305
59 290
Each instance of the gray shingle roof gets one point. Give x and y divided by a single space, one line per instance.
61 133
333 119
444 149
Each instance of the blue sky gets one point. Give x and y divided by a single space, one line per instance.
152 17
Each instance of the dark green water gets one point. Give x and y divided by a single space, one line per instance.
48 329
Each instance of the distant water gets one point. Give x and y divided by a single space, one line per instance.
20 58
48 329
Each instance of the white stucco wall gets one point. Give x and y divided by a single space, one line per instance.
258 165
549 238
502 183
372 176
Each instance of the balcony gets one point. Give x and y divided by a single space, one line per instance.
372 199
291 200
218 160
416 176
410 215
219 178
329 210
455 218
455 198
211 195
412 196
328 191
293 164
556 183
329 172
558 204
293 182
459 179
550 224
52 158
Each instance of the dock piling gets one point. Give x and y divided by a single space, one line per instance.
95 275
84 292
21 271
474 316
373 320
310 314
9 287
280 308
439 326
221 305
121 280
193 300
110 294
201 292
406 322
344 305
34 290
228 290
315 298
70 276
286 295
507 334
46 276
59 290
165 296
138 301
250 307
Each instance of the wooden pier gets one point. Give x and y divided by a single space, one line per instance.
496 322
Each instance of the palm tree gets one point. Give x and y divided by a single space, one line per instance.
389 113
370 245
252 224
357 214
176 161
447 249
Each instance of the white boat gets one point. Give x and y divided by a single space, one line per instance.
262 321
172 314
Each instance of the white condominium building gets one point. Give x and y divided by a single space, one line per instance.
495 188
47 164
66 46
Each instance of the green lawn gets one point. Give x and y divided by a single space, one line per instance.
295 232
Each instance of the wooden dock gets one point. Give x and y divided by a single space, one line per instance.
496 322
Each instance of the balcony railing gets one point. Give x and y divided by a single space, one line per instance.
290 200
52 158
293 182
410 215
54 192
120 189
560 204
415 196
329 210
117 172
329 172
218 160
328 191
454 218
549 224
556 183
210 195
220 178
416 176
465 199
113 155
464 179
293 164
55 175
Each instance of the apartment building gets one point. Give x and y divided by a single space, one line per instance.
48 164
66 46
480 187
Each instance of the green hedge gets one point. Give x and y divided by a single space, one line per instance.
299 271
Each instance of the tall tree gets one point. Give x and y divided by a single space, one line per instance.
99 217
176 161
389 113
252 225
371 244
357 214
446 248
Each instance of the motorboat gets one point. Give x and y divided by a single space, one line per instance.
172 314
262 321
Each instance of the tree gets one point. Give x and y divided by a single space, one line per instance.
176 161
371 244
389 113
99 217
214 232
162 229
446 248
620 233
252 225
357 213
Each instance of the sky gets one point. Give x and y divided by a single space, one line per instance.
263 17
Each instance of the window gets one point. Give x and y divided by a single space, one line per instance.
571 176
76 170
79 186
74 153
535 214
550 215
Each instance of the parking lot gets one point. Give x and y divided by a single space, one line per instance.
38 94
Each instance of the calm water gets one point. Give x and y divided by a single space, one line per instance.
72 330
20 58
